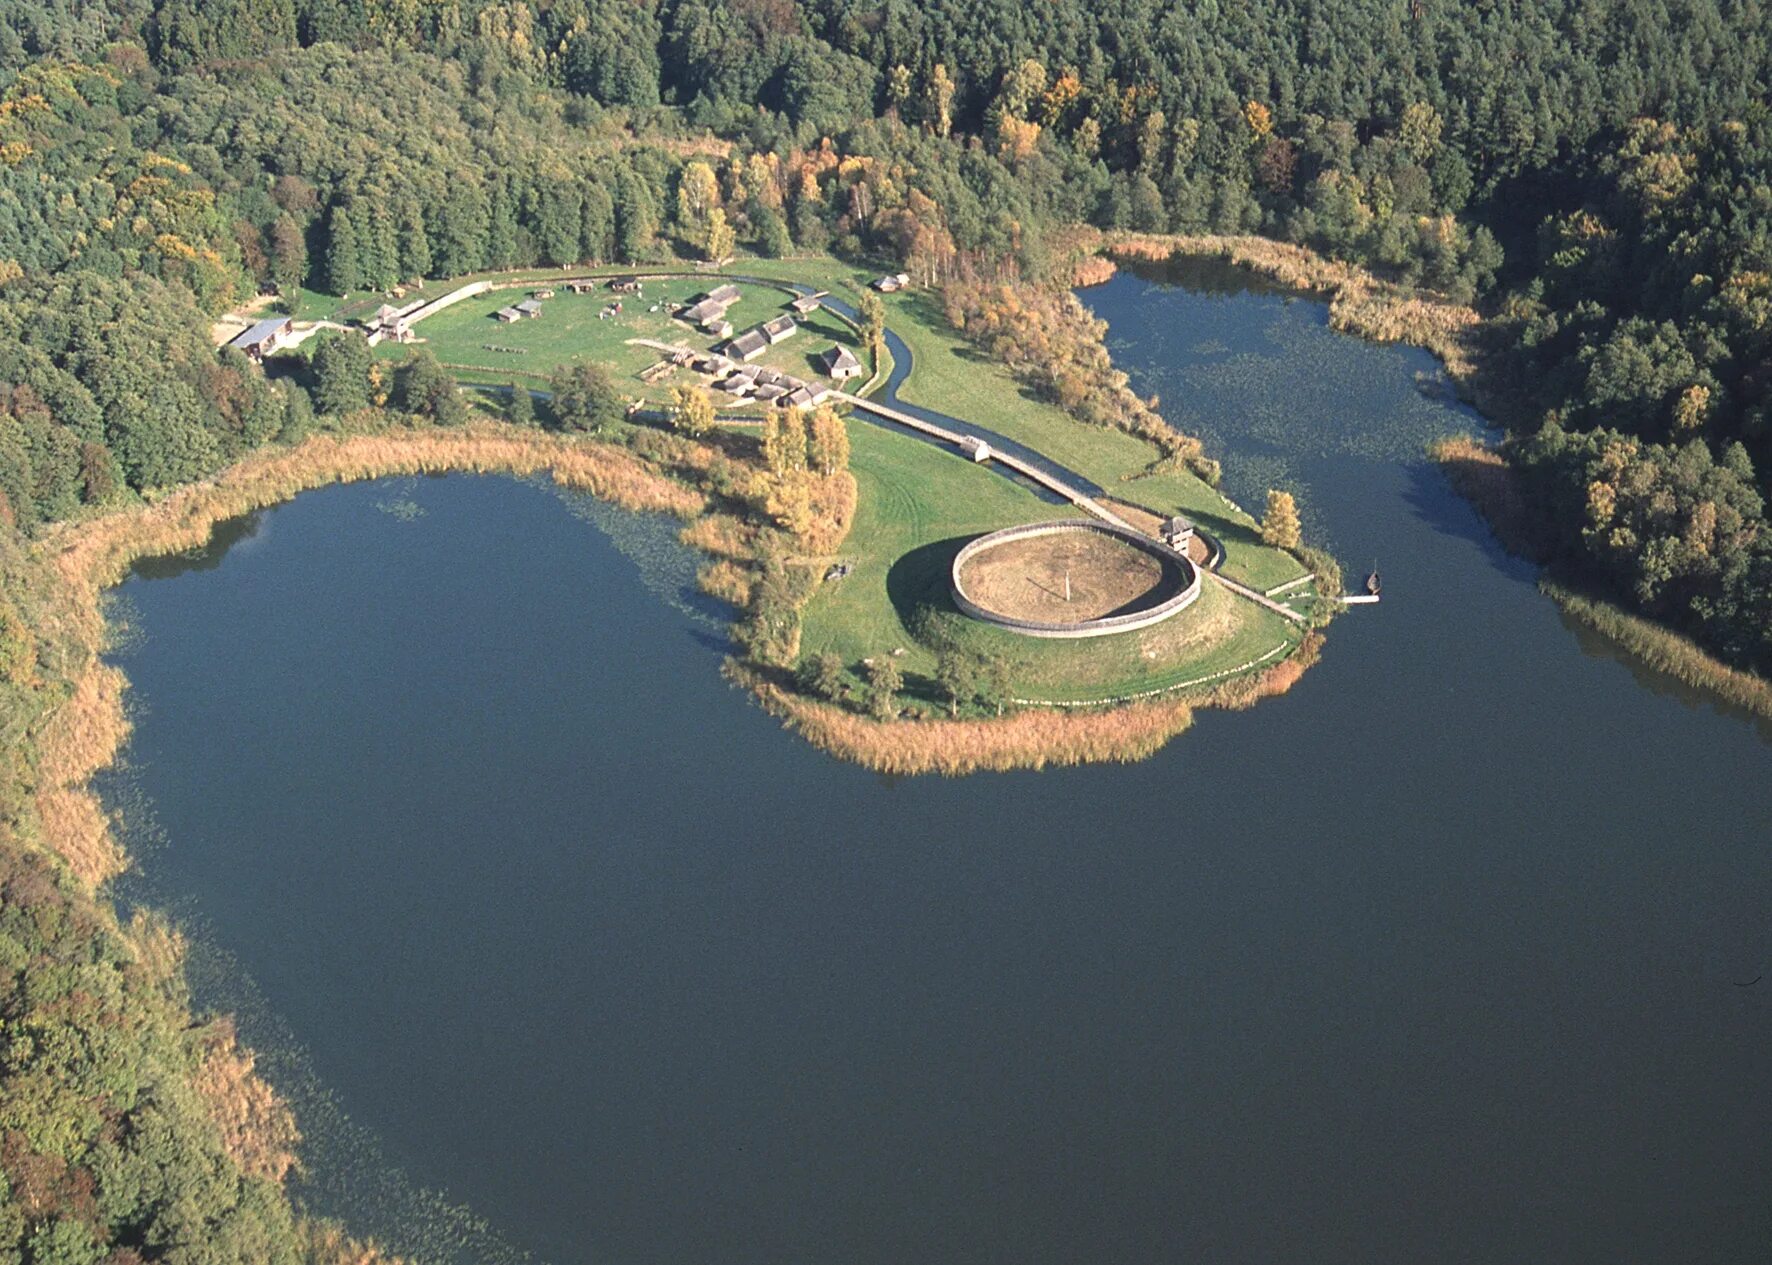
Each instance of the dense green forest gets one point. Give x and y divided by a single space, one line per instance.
1594 176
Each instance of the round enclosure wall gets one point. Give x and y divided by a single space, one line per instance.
1071 578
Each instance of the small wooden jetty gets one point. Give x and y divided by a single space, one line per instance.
1370 596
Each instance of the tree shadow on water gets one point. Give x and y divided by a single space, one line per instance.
1433 499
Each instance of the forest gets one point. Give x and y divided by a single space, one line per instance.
1594 177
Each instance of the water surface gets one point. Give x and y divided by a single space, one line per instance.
1435 958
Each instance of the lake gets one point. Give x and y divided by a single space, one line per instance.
565 948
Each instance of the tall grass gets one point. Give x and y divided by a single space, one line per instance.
1665 651
1484 478
1035 738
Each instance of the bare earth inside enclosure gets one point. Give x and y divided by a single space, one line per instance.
1026 579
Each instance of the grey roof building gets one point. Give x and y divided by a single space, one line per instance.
748 345
263 338
840 363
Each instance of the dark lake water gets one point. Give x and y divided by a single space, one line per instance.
565 948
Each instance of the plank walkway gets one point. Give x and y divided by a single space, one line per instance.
1046 479
958 439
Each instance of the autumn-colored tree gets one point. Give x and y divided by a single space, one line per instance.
1279 526
939 100
784 441
884 683
1152 134
1692 408
829 443
898 88
692 410
1058 100
1016 138
698 195
720 238
789 502
1260 120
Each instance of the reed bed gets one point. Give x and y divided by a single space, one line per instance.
720 535
1482 476
1032 739
726 580
76 740
1092 270
1666 651
257 1127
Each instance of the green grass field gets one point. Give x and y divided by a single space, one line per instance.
917 506
958 379
480 349
918 503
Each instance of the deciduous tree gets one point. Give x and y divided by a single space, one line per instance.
829 442
1279 526
884 683
692 410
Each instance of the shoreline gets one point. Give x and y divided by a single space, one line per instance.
1482 476
87 729
1369 307
1033 738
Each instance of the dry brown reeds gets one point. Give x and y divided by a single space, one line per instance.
1666 651
328 1244
76 740
1092 270
257 1128
726 580
1032 739
720 535
833 512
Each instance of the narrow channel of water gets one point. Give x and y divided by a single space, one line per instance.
1438 957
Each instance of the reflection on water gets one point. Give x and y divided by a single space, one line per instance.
206 557
1434 957
1596 645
